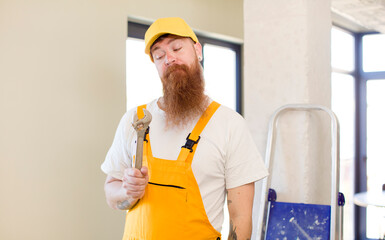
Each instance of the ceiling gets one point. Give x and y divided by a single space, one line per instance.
359 15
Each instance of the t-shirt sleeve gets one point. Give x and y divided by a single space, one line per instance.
119 155
244 163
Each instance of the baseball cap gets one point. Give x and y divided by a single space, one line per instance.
172 25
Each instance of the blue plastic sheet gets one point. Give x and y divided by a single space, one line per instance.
298 221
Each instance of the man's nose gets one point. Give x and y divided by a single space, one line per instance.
170 59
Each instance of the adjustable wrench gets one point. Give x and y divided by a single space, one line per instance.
141 127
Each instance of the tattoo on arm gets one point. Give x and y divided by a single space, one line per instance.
228 200
123 205
127 204
232 234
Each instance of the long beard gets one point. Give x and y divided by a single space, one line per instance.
183 94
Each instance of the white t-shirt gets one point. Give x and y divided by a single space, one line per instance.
226 156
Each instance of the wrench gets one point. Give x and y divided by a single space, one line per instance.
141 127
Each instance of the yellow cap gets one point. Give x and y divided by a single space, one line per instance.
173 25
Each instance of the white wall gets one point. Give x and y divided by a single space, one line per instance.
287 61
62 93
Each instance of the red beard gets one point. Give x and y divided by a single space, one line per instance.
183 94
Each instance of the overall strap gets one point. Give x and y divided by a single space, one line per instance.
140 112
194 137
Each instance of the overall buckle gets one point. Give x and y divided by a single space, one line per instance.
190 143
146 133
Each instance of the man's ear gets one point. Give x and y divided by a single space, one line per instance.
198 50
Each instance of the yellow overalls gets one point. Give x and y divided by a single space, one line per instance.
172 206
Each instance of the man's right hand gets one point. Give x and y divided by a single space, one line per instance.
135 182
123 194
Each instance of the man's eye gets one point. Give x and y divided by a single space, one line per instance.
177 49
158 56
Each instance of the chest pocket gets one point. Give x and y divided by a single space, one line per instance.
168 173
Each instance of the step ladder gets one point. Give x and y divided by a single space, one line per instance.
286 220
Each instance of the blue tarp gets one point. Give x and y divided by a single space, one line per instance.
298 221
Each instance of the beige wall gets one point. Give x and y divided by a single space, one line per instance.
223 17
62 93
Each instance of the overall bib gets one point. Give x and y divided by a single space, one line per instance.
172 206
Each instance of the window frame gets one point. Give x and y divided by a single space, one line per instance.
138 30
360 168
361 131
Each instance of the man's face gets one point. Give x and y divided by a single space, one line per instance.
177 61
172 50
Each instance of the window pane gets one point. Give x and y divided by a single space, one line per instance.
342 44
142 80
373 50
376 154
343 105
220 74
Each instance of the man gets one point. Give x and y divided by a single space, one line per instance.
179 193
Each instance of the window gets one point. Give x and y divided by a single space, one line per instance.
376 154
342 44
358 84
343 104
142 81
221 63
222 74
373 46
373 78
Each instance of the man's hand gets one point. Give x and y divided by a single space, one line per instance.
135 182
123 194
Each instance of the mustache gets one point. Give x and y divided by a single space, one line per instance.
173 68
